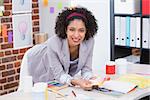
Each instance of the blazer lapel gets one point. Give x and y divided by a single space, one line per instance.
82 55
66 55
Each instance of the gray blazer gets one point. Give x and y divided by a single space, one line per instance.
50 60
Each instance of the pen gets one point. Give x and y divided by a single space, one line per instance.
105 79
54 91
74 93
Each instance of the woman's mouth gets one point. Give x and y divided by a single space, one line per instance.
75 40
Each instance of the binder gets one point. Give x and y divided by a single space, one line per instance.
149 33
138 32
145 33
117 30
123 31
133 31
128 31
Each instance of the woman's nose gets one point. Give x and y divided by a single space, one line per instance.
76 34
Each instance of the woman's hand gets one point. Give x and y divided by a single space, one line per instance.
85 84
136 52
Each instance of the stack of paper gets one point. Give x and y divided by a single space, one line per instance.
118 86
139 80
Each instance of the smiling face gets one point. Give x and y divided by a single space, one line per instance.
76 31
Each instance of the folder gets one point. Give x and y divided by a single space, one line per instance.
128 31
117 30
138 32
133 31
145 33
123 31
149 33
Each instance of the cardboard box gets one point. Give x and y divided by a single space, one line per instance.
126 6
40 37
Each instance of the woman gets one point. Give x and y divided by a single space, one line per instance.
68 52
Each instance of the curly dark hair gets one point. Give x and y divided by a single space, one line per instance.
62 22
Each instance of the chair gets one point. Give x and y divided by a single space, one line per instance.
24 66
23 70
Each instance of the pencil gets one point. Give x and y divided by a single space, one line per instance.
54 91
74 93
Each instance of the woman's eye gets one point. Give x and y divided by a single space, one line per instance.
82 31
71 29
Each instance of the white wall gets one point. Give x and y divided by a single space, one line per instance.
101 10
47 20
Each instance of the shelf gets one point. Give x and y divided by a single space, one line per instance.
146 16
132 15
118 51
146 48
128 47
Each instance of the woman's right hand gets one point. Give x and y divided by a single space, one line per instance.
84 84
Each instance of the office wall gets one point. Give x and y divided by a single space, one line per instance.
48 18
101 11
10 59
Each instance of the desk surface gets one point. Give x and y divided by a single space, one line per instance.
91 95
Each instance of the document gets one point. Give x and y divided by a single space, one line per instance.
119 86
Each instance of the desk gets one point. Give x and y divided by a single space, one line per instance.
95 95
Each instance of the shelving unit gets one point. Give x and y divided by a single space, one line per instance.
118 51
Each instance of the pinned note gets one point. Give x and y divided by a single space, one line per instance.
10 37
0 27
45 3
4 30
1 13
60 5
51 10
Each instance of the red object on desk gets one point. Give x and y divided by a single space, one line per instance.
110 69
145 7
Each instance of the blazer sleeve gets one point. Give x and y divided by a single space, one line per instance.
86 71
57 68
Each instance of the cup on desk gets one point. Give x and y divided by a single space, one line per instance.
121 65
110 68
39 91
27 84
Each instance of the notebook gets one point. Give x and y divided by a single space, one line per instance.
118 86
56 85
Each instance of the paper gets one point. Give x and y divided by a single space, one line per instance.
119 86
51 10
4 30
45 2
83 97
59 5
10 37
1 13
139 80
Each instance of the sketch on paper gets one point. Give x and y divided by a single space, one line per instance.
21 6
22 31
